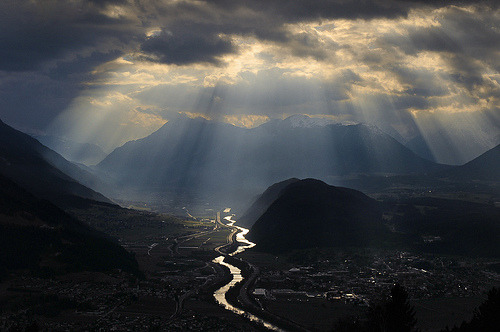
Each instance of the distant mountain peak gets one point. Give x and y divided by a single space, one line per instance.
197 153
306 121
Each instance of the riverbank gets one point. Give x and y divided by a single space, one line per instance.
237 295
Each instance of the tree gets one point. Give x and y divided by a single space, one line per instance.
395 315
486 318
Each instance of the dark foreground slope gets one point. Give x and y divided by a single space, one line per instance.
37 235
310 213
263 202
42 171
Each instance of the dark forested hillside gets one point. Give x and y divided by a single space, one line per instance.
37 235
310 213
42 171
485 167
263 202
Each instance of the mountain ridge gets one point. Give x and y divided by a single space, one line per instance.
43 171
262 203
310 213
484 167
81 153
207 155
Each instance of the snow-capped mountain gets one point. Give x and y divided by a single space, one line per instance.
200 154
306 121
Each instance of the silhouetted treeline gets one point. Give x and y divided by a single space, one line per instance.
396 314
486 317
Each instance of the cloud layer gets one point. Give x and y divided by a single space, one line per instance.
427 69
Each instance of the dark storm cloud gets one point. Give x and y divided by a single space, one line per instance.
47 48
103 3
80 67
30 101
33 33
304 10
26 47
466 71
429 39
420 82
192 30
467 42
307 45
459 32
299 10
187 44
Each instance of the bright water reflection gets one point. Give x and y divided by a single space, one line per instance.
220 294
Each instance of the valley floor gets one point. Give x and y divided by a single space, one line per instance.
313 288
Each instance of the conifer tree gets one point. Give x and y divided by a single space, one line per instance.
395 315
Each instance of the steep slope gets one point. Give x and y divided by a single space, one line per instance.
309 213
180 153
42 171
37 235
207 155
420 147
262 203
87 154
485 167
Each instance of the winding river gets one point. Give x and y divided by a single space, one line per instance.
220 294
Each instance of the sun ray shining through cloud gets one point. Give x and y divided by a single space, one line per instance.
395 65
138 137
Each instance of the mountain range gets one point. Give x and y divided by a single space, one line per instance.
81 153
205 155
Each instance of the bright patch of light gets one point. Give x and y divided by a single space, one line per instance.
361 72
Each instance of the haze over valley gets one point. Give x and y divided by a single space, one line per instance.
249 165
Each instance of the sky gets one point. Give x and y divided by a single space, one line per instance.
108 71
